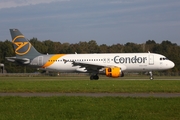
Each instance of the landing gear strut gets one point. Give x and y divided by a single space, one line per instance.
151 75
94 77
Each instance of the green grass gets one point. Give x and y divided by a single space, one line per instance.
84 85
89 108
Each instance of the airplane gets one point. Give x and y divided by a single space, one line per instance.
110 64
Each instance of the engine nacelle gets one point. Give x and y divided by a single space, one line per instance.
114 72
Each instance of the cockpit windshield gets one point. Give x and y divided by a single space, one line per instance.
163 58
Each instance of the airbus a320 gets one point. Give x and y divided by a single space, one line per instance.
110 64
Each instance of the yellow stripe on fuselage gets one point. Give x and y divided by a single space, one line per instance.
52 60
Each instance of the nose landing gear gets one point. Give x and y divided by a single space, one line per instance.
151 75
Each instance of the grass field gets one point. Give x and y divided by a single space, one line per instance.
89 108
84 85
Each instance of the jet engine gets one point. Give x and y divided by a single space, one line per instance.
114 72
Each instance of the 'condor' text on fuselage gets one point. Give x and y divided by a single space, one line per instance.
135 59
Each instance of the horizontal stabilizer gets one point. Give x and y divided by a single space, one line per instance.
19 60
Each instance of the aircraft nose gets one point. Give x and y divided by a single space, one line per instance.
171 64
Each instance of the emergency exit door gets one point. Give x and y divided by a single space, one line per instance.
40 60
151 59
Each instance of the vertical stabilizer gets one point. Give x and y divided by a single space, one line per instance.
22 46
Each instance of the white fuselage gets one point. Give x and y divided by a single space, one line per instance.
125 61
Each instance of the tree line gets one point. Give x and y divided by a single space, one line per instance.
166 48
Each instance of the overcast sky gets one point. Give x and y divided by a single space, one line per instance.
106 21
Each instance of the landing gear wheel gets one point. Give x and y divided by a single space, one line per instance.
94 77
91 77
151 78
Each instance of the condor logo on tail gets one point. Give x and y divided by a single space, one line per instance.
21 48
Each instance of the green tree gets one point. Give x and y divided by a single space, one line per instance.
49 45
40 46
132 48
104 48
83 47
118 48
93 47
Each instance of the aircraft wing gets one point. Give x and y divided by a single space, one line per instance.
92 67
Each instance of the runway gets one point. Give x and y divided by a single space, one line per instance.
144 95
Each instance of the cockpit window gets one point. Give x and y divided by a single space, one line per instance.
163 59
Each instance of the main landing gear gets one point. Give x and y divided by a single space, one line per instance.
151 75
94 77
